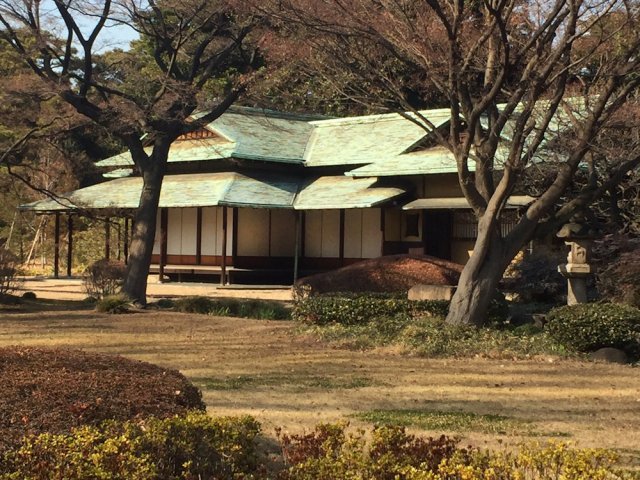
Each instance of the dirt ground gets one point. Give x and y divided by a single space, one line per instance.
72 289
263 368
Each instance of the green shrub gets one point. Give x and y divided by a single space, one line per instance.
165 303
113 304
588 327
183 447
358 309
104 278
330 453
9 271
233 307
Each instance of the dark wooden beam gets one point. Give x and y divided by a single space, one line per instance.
296 258
125 240
303 234
56 250
199 236
341 254
223 266
69 244
164 224
234 236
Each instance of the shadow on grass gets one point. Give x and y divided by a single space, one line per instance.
290 382
456 421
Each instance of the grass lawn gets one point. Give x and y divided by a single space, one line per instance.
285 380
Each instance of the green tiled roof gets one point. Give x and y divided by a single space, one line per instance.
363 140
424 162
227 188
343 192
245 133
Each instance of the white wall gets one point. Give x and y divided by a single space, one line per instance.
362 234
212 230
283 233
322 234
253 232
371 233
181 231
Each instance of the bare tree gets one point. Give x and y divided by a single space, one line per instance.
520 79
143 96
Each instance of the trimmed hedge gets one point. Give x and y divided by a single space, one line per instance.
50 390
355 309
233 307
183 447
358 309
590 326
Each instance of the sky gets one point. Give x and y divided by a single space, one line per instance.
111 37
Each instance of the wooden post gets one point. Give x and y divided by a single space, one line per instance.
125 241
56 250
199 237
69 244
223 269
297 248
164 223
107 238
341 254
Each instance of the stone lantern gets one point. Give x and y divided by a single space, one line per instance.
579 237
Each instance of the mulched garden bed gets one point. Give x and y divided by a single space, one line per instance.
393 273
53 390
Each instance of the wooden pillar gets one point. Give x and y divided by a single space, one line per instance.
234 236
164 223
199 237
107 238
342 215
56 250
298 234
69 244
223 266
125 241
383 230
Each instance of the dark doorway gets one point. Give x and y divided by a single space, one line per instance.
437 225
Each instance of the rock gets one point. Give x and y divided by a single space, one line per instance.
610 355
431 292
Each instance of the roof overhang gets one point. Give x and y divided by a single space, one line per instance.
259 190
459 203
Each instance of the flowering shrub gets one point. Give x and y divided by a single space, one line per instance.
183 447
330 453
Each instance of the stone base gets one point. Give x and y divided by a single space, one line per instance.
431 292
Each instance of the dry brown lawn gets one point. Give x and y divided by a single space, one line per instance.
264 369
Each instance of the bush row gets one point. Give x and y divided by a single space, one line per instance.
183 447
196 446
590 326
330 453
351 309
231 307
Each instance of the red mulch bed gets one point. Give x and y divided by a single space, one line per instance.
51 390
393 273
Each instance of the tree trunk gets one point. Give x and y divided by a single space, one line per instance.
143 235
478 281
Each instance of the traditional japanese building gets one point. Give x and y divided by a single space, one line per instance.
263 191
